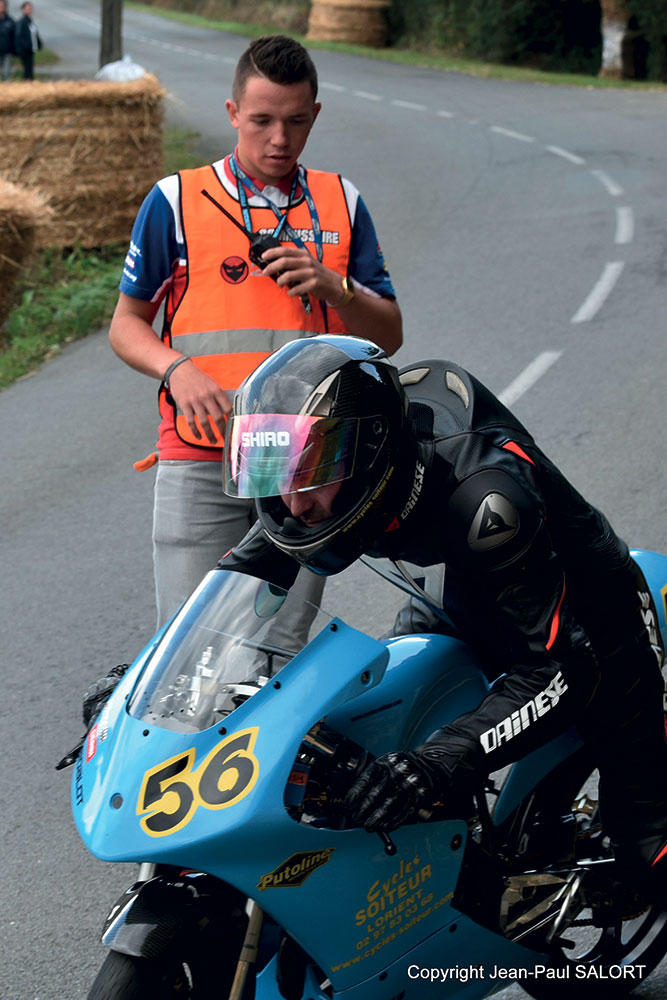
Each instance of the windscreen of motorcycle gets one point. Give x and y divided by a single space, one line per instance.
225 643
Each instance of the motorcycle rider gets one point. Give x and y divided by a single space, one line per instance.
344 455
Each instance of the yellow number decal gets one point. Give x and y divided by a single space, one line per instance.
172 791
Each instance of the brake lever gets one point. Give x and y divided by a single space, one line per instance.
389 845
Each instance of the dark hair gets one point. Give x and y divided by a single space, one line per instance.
279 58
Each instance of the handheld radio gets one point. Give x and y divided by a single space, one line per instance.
259 242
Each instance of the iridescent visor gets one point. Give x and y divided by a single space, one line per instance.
268 454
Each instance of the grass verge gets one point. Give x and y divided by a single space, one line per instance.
63 295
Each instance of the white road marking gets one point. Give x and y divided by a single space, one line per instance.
572 157
445 114
625 225
409 105
598 296
612 187
511 134
528 377
366 95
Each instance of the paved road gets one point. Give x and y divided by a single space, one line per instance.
524 228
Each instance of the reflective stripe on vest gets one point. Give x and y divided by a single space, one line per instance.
220 321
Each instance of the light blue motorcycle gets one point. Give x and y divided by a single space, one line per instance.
220 765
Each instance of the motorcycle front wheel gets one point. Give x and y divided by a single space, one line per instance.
124 977
589 962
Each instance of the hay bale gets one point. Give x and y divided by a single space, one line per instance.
363 22
22 215
94 147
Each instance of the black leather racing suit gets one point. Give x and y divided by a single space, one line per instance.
537 580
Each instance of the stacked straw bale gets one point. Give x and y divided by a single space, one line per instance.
22 215
95 148
363 22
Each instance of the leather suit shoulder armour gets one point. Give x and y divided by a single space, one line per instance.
488 510
491 519
457 400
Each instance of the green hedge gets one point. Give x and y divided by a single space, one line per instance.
289 16
557 35
544 34
649 21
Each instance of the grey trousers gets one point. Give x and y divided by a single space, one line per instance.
194 524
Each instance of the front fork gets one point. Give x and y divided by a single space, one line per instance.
248 954
147 870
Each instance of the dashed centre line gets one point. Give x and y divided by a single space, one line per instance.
409 105
611 186
528 377
600 292
566 155
625 225
511 134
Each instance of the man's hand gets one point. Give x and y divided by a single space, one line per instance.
201 400
197 395
99 693
392 791
296 270
366 315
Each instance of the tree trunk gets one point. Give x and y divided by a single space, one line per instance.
111 39
618 41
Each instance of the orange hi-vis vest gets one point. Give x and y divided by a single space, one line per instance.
231 316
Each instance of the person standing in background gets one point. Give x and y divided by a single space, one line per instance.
27 40
7 47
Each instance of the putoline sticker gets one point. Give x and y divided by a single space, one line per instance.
295 870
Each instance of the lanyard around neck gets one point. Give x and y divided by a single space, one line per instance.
244 182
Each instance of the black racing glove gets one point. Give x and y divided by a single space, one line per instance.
99 692
395 788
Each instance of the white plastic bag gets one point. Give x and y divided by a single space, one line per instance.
120 71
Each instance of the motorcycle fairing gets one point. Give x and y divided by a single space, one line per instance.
430 681
254 838
335 676
654 567
253 844
463 938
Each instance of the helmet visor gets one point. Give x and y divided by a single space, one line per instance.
269 454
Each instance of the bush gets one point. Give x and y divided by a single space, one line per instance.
649 21
289 16
545 34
